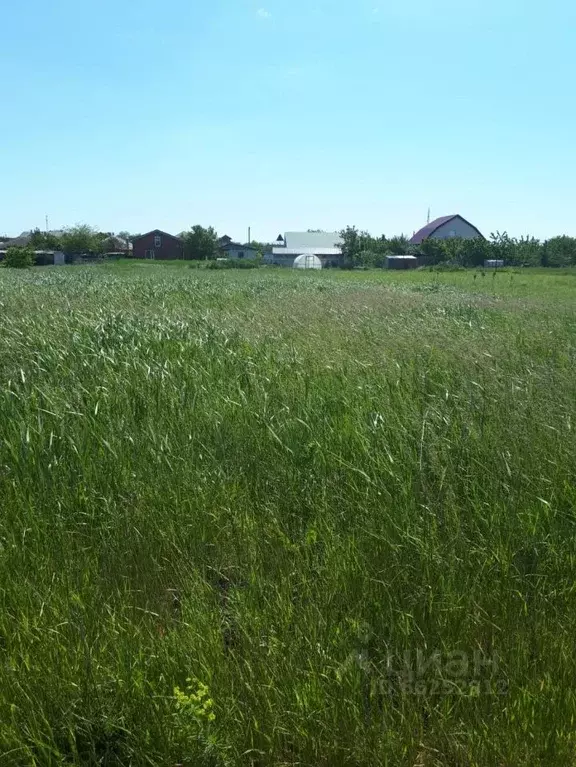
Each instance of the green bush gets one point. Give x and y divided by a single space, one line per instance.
233 264
444 267
19 258
433 250
528 252
371 259
559 251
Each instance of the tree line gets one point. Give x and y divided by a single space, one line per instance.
361 249
81 238
74 240
199 243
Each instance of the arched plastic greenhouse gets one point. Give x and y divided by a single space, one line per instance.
307 261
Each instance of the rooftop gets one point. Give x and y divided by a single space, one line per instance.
236 246
312 240
429 229
307 251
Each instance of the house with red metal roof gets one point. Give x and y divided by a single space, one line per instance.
157 245
446 227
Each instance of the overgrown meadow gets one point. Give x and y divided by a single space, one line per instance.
276 518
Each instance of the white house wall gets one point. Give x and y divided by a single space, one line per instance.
455 228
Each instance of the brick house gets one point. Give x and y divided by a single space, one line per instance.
157 245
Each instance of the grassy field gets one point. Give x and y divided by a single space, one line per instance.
277 518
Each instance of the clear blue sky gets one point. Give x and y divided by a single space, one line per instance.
288 114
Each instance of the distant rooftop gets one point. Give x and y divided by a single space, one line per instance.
429 229
307 251
305 240
236 246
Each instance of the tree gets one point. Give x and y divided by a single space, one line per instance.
44 240
398 245
559 251
370 259
474 252
82 239
200 243
354 244
433 250
465 252
452 250
528 252
18 258
381 245
502 247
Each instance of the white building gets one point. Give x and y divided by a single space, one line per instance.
327 246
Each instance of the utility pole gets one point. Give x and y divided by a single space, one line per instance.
46 223
249 233
428 221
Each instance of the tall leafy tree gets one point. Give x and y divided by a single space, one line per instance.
354 244
503 247
560 251
474 252
200 243
40 240
433 250
83 238
398 245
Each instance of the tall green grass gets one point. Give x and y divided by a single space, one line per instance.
270 518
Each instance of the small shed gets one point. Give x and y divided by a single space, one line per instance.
307 261
401 262
239 251
493 263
